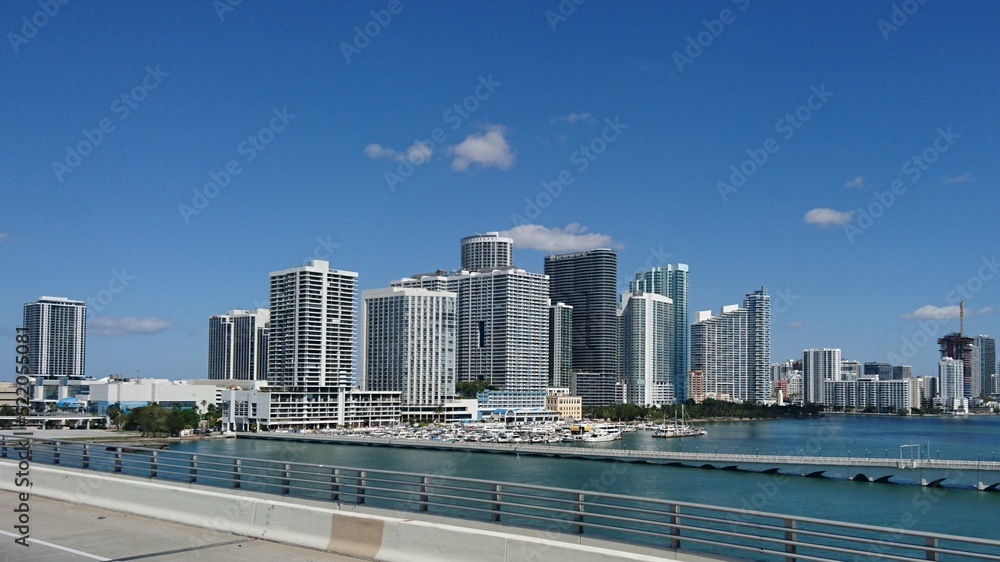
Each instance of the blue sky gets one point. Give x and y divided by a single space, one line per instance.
117 116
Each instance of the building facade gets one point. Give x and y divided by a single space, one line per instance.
647 324
487 251
819 366
57 337
672 281
986 364
588 281
237 345
560 344
733 350
408 344
952 386
312 331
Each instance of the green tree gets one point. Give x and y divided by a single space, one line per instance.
116 415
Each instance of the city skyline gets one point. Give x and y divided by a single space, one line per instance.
759 148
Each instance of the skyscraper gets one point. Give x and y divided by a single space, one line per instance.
408 344
952 385
588 282
312 330
487 251
57 332
883 371
733 350
957 346
237 345
819 366
560 345
672 281
503 328
646 325
987 364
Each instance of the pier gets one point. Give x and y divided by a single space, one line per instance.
983 475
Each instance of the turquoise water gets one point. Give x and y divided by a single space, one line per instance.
950 510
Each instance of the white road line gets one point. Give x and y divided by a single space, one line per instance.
58 547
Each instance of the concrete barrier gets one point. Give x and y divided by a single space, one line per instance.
318 525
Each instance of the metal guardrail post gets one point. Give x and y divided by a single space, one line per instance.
3 446
361 486
286 481
496 503
237 472
931 542
118 459
85 463
55 453
424 503
674 509
194 468
154 462
335 485
580 498
790 536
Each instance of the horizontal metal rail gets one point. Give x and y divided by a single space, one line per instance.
627 519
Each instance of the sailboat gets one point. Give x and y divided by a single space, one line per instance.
682 429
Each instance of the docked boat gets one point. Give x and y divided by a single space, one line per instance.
679 429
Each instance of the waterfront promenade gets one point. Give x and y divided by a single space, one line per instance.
928 472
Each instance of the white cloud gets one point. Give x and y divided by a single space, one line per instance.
964 178
796 325
4 236
127 326
576 117
931 312
858 182
487 149
573 238
417 153
824 217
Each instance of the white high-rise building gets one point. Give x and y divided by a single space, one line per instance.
951 386
312 331
503 325
237 345
408 344
819 366
733 350
57 332
487 251
647 324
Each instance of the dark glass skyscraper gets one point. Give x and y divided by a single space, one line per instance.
588 281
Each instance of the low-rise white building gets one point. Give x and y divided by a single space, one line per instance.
134 393
262 408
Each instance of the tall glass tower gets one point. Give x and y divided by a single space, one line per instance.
672 281
588 282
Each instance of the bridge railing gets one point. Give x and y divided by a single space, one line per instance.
557 511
